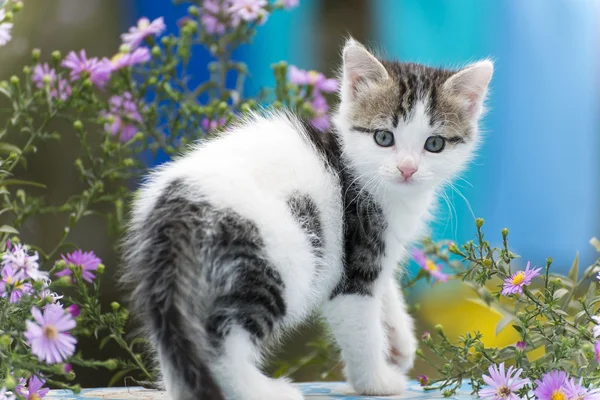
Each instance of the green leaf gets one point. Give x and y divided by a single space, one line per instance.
104 341
596 243
560 293
574 272
9 148
591 292
22 182
137 341
8 229
119 375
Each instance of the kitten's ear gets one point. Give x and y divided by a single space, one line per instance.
360 66
471 84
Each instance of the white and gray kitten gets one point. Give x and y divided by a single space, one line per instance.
246 235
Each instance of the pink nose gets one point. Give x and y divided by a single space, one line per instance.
407 171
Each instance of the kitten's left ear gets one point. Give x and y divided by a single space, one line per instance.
360 67
471 84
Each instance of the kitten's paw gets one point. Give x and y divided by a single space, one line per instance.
279 389
387 380
402 348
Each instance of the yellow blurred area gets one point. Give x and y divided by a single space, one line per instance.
458 309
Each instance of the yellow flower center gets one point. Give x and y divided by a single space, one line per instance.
503 391
143 24
116 58
51 333
558 395
34 396
9 280
518 279
312 76
430 266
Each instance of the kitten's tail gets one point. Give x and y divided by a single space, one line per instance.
164 293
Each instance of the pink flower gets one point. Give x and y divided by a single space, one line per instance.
290 3
138 56
576 391
518 280
423 380
313 78
249 10
125 117
211 125
144 29
23 264
67 368
321 119
11 283
215 16
521 345
434 270
503 384
87 261
97 70
33 390
42 75
74 310
597 348
48 336
551 387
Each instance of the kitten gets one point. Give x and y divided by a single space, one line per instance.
246 235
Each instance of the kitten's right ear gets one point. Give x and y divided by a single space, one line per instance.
360 67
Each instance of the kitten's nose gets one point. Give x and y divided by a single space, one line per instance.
407 170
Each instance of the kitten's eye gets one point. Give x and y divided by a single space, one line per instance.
384 138
435 144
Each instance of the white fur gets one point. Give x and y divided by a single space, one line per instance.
253 169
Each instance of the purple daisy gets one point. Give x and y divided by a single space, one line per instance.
596 328
503 383
290 3
434 270
249 10
138 56
210 125
87 261
74 310
5 28
313 78
97 70
551 387
23 264
576 391
10 282
518 280
215 17
125 117
48 336
321 119
423 380
42 74
33 390
4 395
142 30
62 91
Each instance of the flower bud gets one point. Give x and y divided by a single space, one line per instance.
453 248
38 285
78 125
419 352
64 281
479 222
100 269
504 232
155 51
18 6
35 55
56 56
115 306
88 83
9 382
193 11
128 162
487 262
27 70
5 341
124 48
14 80
439 329
111 364
222 107
8 16
152 81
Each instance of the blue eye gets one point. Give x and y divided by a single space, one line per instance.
435 144
384 138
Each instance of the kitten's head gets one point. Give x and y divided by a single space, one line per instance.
408 126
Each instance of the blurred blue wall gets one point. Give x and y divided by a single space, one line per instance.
538 172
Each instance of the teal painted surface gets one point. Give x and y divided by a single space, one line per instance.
316 391
538 172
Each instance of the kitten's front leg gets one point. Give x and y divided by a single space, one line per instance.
357 323
402 343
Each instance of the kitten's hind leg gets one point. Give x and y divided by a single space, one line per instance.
356 321
236 370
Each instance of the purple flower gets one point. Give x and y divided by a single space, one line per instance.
214 13
428 265
74 310
23 265
521 345
45 292
144 28
576 391
10 280
34 389
518 280
67 368
138 56
503 383
249 10
597 348
42 75
87 261
551 387
211 125
123 117
313 78
321 119
4 395
97 70
426 336
290 3
5 28
423 380
48 336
